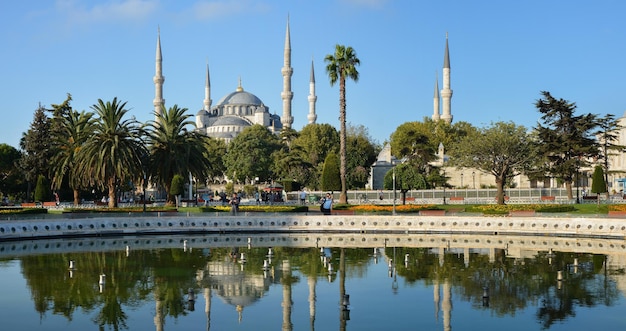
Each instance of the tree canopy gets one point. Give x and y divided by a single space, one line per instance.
565 140
502 149
114 152
250 154
175 149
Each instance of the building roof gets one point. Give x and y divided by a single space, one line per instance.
231 120
240 97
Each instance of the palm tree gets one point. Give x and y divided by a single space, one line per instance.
74 130
340 66
114 151
175 150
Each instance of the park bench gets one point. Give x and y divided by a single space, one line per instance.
548 198
457 199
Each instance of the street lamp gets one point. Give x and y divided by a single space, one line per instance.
461 180
444 186
144 192
393 212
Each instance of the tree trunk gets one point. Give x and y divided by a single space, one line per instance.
500 190
568 188
112 193
76 197
343 196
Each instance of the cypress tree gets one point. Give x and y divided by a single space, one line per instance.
331 179
42 190
598 185
177 187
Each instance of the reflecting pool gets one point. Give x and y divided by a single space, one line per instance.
314 282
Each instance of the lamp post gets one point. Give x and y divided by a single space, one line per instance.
144 192
444 186
577 186
393 211
461 180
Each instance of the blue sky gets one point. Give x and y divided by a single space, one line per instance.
502 54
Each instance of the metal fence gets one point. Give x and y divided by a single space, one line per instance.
468 195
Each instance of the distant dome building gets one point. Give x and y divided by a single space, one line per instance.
235 112
239 109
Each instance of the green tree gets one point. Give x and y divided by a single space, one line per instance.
177 187
10 175
412 140
42 189
331 180
315 141
341 65
502 149
407 178
71 130
176 150
114 152
598 184
36 151
361 154
607 135
565 140
290 165
250 154
215 153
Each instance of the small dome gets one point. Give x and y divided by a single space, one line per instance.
230 121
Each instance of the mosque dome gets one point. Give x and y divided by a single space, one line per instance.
240 97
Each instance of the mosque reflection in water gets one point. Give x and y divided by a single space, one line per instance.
246 284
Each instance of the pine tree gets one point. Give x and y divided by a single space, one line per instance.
35 144
566 140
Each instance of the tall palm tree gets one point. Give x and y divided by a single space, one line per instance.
74 130
174 149
114 152
340 66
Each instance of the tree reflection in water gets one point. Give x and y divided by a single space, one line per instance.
504 281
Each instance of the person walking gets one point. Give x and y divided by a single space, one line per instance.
234 204
302 197
327 204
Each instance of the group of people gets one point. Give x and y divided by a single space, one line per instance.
326 203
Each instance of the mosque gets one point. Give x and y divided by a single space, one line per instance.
240 109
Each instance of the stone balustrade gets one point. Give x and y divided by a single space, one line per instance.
580 227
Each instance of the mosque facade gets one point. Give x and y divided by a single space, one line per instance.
240 109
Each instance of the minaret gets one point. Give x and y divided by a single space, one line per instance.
446 305
158 78
287 300
446 92
436 100
287 71
207 90
312 117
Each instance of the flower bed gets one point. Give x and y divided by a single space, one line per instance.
411 208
